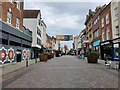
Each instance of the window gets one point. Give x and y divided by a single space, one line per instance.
116 13
117 31
38 22
108 34
9 17
102 22
17 23
10 1
38 32
96 34
38 41
18 4
107 19
103 36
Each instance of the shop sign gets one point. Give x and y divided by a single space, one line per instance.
96 43
3 54
105 43
11 54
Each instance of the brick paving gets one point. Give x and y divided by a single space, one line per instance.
63 72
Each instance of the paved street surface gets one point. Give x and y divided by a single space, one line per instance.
62 72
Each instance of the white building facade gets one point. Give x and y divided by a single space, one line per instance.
32 21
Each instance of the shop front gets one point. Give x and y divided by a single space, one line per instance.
110 49
96 45
13 44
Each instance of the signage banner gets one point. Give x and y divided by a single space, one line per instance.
64 37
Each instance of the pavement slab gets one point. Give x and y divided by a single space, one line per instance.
63 72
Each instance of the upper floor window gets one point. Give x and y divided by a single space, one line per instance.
116 13
17 23
117 31
108 34
38 41
103 36
102 22
9 16
38 32
10 1
17 4
96 33
39 22
107 19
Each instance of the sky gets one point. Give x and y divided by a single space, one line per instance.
63 17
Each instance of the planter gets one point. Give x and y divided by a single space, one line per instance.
92 57
49 55
52 55
43 57
57 54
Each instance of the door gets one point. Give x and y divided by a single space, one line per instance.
18 56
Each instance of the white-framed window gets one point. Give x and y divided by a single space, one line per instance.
103 36
96 33
108 34
17 4
10 1
116 13
102 22
17 23
107 19
9 17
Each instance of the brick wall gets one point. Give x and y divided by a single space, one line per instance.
15 13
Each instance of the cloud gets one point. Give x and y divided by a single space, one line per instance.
63 17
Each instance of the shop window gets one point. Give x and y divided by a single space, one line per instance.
116 50
108 51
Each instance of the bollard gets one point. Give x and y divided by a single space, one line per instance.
35 60
26 62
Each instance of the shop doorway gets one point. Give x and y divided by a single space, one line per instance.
18 56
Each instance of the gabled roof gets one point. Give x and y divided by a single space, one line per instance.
31 13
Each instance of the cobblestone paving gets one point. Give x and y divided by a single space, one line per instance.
65 72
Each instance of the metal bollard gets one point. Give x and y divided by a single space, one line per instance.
26 62
35 60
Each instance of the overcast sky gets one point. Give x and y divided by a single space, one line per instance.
64 17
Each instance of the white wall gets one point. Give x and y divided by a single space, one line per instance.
114 22
32 24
